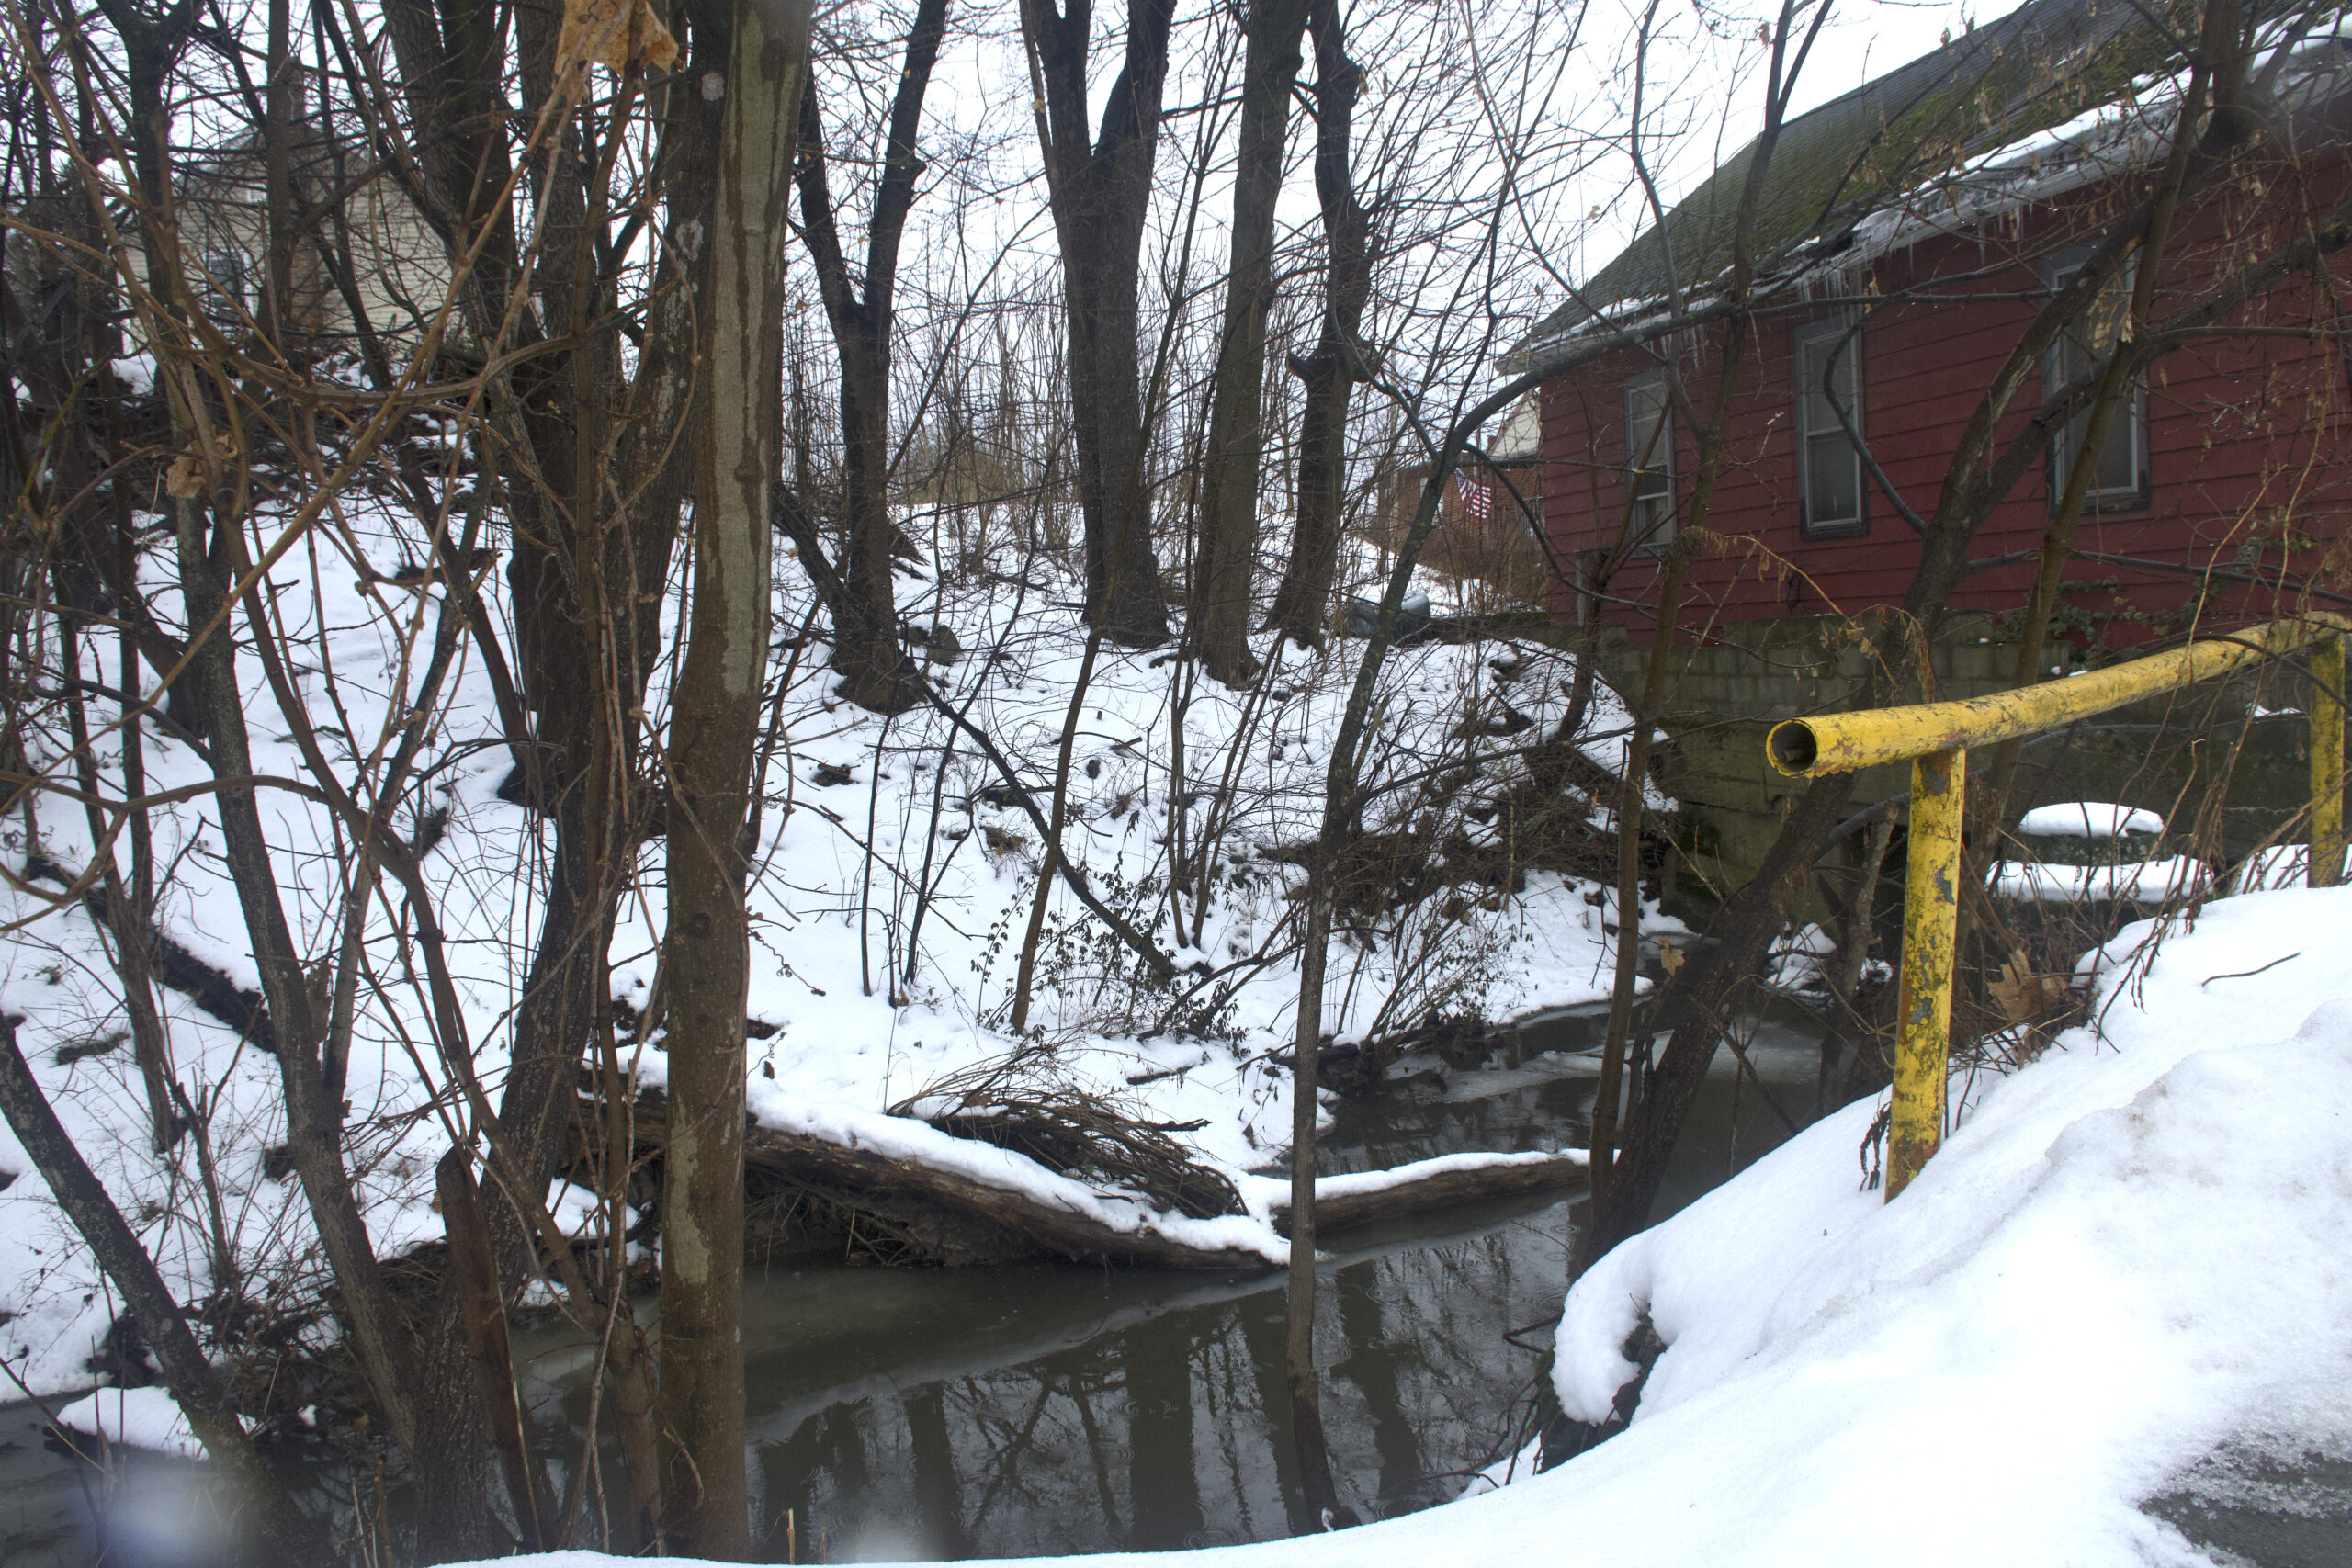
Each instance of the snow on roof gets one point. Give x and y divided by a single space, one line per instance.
2056 95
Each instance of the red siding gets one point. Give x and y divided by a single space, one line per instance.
2247 437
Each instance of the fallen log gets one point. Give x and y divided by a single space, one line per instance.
1341 1202
962 1218
940 1214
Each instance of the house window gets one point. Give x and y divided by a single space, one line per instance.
221 291
2119 482
1829 473
1649 462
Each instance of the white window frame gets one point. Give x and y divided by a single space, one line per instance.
2140 495
1651 532
1803 341
224 301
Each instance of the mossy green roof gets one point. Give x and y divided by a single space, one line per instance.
2040 66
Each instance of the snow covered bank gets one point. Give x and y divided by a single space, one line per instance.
2127 1253
888 912
2135 1249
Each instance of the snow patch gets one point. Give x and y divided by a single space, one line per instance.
2143 882
134 1417
2087 819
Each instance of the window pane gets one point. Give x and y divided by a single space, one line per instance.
1820 413
2086 341
221 289
1832 481
2117 472
1832 469
1649 461
1646 436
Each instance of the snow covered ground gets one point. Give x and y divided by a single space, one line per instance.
894 879
2132 1253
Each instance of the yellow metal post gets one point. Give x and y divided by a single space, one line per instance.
2326 709
1930 924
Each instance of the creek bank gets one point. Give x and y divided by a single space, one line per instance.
942 1413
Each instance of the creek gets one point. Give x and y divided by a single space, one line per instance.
994 1412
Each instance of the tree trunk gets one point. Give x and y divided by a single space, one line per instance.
592 495
1305 596
1100 194
1223 563
1307 1436
713 734
1342 807
1629 862
877 673
1992 805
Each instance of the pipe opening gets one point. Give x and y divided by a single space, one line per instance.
1792 746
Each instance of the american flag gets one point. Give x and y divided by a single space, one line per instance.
1477 500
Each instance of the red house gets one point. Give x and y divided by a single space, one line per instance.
1908 232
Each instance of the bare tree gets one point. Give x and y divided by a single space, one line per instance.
1303 600
1099 188
879 674
715 731
1224 557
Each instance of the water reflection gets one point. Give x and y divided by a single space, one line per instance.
1008 1412
136 1510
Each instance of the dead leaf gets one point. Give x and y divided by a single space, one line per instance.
2024 996
2020 995
611 33
1669 958
185 479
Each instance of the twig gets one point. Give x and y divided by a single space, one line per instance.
2249 973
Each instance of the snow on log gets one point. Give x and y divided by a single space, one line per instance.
1344 1201
2087 819
1028 1209
960 1201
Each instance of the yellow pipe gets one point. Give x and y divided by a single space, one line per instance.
2326 710
1934 738
1847 742
1930 925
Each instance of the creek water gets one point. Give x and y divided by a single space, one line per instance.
900 1413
